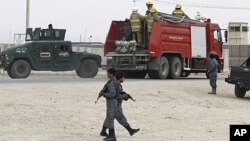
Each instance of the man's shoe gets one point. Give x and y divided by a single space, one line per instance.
131 130
103 132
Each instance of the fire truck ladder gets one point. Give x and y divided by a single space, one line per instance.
175 19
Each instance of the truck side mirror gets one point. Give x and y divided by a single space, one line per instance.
226 35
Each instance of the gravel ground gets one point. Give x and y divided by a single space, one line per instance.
60 107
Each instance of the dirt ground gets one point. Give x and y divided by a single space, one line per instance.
62 108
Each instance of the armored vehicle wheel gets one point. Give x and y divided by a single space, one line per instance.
239 91
19 69
9 73
163 71
175 68
87 69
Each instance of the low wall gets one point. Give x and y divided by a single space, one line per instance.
237 53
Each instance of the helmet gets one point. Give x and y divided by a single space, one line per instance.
149 2
135 9
153 9
178 5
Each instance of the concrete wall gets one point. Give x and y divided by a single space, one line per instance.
5 46
237 53
90 47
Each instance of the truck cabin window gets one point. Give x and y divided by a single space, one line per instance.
57 34
47 33
217 35
64 51
248 63
44 51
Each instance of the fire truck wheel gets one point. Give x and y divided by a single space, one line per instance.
175 68
87 69
163 71
20 69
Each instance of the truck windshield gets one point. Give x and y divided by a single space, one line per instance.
217 35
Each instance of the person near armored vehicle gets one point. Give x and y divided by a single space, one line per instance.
149 5
151 17
119 116
135 21
213 65
111 96
50 26
178 11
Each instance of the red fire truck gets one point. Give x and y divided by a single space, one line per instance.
177 47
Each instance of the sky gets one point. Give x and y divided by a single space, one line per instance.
84 19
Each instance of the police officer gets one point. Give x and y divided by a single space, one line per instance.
151 17
178 12
135 21
119 116
212 72
149 5
111 96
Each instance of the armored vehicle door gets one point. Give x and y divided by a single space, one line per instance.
42 56
62 56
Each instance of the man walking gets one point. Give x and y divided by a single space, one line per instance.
119 116
111 96
212 72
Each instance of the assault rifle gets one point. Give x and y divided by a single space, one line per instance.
128 96
101 93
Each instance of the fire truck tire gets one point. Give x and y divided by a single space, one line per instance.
163 71
19 69
175 68
87 69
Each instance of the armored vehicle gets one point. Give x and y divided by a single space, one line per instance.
240 77
46 50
